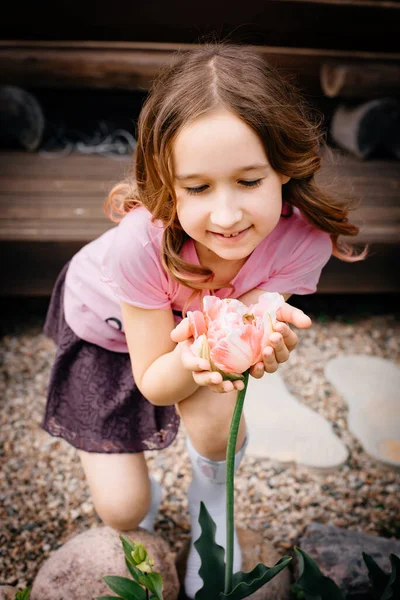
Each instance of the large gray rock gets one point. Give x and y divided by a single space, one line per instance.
338 553
254 550
75 571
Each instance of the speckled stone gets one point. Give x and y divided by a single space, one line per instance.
75 571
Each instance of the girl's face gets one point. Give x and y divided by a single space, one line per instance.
228 196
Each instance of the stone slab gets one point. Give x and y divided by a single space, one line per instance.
371 388
283 429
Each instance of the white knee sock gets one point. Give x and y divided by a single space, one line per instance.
208 486
156 496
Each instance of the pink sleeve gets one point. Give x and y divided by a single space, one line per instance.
299 273
132 267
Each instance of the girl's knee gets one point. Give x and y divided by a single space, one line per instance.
120 487
207 418
123 510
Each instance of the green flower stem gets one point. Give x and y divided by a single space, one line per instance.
230 474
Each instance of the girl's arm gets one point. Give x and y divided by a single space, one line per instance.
156 362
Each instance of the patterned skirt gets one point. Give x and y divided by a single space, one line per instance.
92 400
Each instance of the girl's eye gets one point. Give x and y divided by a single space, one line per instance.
253 183
246 183
196 190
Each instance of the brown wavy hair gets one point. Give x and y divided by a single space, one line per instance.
238 79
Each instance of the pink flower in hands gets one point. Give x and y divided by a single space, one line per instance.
231 335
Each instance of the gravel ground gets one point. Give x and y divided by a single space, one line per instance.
44 498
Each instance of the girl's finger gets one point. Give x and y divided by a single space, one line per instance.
293 315
257 370
210 378
289 337
270 364
181 332
238 385
190 361
277 343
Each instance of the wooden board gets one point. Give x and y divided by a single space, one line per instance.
133 65
49 208
61 199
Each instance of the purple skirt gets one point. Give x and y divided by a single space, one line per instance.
92 400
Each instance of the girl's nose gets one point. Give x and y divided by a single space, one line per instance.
225 216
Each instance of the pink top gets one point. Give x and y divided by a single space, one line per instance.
125 264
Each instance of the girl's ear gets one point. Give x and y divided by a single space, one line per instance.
284 178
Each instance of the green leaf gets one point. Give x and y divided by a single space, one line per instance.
133 570
127 589
244 584
312 582
153 582
23 594
212 570
109 598
379 579
128 547
392 590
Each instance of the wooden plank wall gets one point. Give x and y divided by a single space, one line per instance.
49 208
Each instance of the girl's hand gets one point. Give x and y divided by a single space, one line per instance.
282 341
200 367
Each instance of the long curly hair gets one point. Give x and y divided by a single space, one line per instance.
238 79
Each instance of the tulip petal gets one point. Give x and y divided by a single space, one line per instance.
238 351
197 323
200 347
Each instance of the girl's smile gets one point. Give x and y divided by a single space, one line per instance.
228 196
233 237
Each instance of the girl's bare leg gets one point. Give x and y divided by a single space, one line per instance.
120 487
207 417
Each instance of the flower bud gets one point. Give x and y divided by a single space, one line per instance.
139 554
141 559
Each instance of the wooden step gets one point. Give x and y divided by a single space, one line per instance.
50 207
61 199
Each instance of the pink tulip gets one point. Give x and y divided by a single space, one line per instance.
231 335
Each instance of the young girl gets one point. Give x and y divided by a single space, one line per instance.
223 202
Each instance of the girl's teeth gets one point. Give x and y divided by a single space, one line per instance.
231 235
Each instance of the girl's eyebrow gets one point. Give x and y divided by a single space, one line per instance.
240 170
